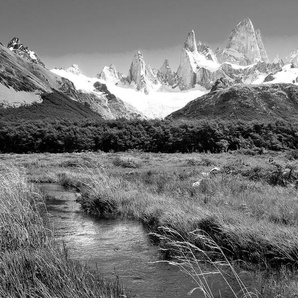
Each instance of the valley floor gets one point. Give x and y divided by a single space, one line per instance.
244 213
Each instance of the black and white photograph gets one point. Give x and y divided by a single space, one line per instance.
148 149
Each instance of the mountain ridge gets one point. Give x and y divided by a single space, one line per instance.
243 60
22 71
243 102
147 92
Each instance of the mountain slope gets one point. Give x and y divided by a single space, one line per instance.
244 102
96 94
156 104
54 105
30 91
23 75
24 80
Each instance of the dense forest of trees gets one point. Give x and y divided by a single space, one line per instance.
145 135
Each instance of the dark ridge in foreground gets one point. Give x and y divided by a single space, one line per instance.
244 102
55 105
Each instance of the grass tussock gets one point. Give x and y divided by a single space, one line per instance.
125 162
31 265
250 221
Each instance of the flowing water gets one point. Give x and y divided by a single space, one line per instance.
118 248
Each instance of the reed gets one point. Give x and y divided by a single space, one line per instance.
31 264
196 263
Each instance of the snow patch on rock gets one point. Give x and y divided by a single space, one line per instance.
194 67
288 74
80 81
11 98
74 69
110 74
156 104
17 47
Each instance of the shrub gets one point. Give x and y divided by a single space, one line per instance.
126 162
206 162
292 155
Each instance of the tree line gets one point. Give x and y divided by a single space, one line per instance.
146 135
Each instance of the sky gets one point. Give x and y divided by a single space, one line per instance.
95 33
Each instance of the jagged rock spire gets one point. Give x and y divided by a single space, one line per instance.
137 68
14 44
165 74
244 45
195 67
264 56
166 65
17 47
141 74
190 42
186 71
206 51
243 40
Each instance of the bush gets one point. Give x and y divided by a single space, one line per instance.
206 162
275 175
126 162
292 155
149 136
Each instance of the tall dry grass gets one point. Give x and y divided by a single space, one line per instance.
232 227
31 265
188 258
249 220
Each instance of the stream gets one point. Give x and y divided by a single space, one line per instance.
119 248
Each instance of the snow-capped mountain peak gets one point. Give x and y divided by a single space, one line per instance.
74 74
110 74
245 46
194 66
74 69
243 60
292 58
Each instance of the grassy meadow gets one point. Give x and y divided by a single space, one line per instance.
245 215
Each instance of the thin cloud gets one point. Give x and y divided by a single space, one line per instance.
280 45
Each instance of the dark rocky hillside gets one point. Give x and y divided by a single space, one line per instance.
55 105
244 102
